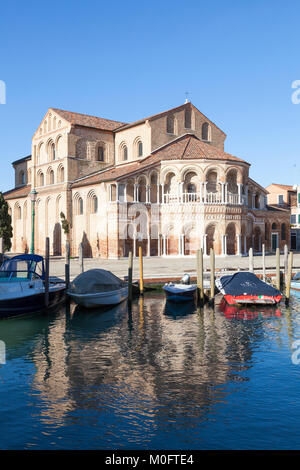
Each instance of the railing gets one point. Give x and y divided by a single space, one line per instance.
233 198
213 198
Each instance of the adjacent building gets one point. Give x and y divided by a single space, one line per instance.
164 183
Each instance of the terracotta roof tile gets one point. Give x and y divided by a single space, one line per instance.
22 191
88 121
187 147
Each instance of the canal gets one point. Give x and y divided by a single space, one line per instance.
157 377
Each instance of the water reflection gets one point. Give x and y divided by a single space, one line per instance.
138 377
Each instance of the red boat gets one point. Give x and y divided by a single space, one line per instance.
246 288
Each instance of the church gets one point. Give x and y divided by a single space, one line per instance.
164 183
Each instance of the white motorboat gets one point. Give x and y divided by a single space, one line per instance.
96 288
180 292
22 286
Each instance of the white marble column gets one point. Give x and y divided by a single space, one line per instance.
240 192
226 193
201 191
205 192
147 193
223 192
135 193
157 194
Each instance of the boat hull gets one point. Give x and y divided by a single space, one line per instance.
252 300
13 307
100 298
180 295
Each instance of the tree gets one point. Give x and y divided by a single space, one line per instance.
65 224
6 231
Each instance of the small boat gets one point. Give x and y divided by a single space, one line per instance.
97 287
180 292
22 286
246 288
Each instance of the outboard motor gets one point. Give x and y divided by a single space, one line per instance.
186 279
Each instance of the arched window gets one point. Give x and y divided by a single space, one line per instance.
18 212
283 232
100 155
51 177
22 177
60 174
170 124
205 131
41 180
80 206
188 119
140 149
51 151
125 153
95 205
274 226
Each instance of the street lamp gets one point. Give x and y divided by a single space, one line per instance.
33 195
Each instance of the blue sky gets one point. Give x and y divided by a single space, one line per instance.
128 60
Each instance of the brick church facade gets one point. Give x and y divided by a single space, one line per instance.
164 183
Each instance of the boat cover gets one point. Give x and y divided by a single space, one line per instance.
245 283
95 280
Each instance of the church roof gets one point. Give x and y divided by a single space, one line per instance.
87 120
186 147
15 193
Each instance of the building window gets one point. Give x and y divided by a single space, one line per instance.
205 131
80 206
293 219
298 218
100 154
51 177
22 177
52 151
191 188
170 124
280 199
274 226
125 153
298 198
140 149
95 205
188 119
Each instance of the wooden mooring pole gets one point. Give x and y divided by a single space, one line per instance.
80 254
200 293
278 268
286 262
289 277
47 269
263 262
130 265
212 277
141 271
67 264
251 263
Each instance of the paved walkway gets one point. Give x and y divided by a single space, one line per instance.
165 268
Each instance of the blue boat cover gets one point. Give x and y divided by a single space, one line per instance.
246 283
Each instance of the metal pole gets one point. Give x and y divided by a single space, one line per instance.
286 262
32 227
